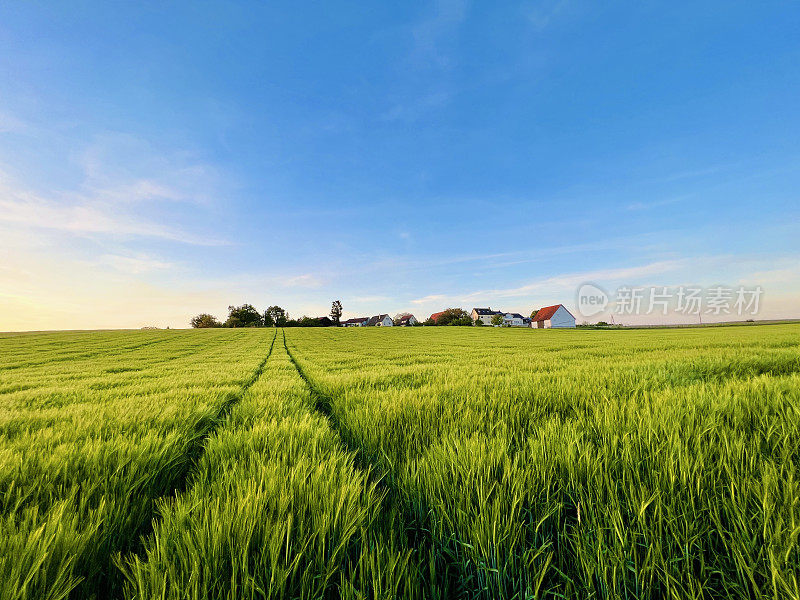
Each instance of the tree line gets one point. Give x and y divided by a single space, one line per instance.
247 315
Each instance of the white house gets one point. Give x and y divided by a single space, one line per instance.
380 321
553 317
406 321
513 320
484 314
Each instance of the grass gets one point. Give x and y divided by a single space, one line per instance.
93 430
404 463
276 508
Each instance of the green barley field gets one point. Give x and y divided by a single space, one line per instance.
401 463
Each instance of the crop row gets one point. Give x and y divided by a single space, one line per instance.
88 444
418 463
580 464
276 508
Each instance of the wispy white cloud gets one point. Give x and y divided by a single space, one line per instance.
141 190
648 204
85 215
430 298
559 283
780 276
369 299
307 280
492 260
119 167
134 265
89 219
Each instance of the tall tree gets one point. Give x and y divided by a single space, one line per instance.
243 316
497 320
279 316
533 313
336 312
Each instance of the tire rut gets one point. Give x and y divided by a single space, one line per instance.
323 405
392 502
110 583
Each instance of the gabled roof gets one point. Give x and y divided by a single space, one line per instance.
376 319
486 312
356 320
435 316
515 315
406 318
546 313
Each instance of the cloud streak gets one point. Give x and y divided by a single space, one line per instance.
87 216
560 283
134 265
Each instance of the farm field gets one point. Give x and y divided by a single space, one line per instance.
401 463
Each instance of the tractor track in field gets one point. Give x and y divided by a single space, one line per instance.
110 583
80 354
322 404
392 501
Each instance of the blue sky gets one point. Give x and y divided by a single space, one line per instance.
157 161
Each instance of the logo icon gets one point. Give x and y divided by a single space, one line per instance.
591 300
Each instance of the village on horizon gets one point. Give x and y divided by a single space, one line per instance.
556 316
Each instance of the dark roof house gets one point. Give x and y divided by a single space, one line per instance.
406 320
376 320
486 312
355 321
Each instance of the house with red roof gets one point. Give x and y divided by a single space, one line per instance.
553 317
435 316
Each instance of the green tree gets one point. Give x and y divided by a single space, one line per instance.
454 316
305 321
533 314
336 312
278 315
268 320
204 321
497 320
243 316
